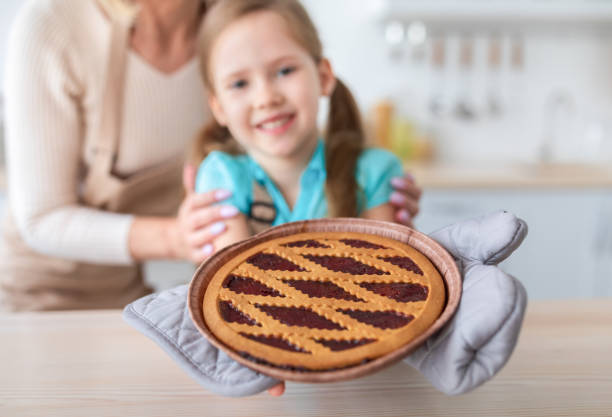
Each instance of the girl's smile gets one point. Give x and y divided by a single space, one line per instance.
276 125
266 89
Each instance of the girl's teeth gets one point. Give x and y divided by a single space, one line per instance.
274 124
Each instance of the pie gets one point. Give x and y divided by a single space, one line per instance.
322 301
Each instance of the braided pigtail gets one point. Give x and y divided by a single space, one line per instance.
344 143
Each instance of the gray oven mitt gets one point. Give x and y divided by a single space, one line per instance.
479 339
164 317
470 350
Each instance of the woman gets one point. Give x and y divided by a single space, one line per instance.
102 98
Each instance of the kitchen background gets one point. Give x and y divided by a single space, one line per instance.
494 104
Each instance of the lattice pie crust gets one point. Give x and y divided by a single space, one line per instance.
323 300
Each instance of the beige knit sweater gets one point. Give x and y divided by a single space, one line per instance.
53 88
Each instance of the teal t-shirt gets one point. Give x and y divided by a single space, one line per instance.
236 173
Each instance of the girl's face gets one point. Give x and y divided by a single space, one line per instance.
267 87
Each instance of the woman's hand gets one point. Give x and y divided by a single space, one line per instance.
277 390
199 221
405 199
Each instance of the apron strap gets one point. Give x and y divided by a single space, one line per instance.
100 184
262 212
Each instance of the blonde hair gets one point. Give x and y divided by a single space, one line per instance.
344 136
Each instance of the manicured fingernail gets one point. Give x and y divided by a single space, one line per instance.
217 228
404 216
398 182
229 211
397 198
409 176
207 249
222 194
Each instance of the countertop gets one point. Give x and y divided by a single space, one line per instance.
503 175
91 363
511 175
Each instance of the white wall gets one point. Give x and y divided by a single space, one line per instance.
576 65
570 63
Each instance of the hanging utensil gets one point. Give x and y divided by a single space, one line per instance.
494 73
464 109
436 101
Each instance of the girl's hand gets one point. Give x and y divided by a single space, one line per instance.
277 390
405 198
198 221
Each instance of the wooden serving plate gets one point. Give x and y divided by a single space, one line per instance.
439 257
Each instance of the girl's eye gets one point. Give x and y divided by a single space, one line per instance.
284 71
238 84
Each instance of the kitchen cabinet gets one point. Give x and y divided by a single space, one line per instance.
164 274
568 251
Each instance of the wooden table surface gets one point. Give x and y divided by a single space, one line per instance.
93 364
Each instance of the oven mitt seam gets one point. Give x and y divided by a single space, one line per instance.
515 241
235 380
129 314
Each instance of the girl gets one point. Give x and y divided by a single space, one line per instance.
263 66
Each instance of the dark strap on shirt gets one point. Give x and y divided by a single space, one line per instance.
262 211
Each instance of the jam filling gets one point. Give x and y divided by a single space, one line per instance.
344 264
403 262
250 286
337 345
398 291
299 316
380 319
306 244
276 342
356 243
270 261
322 290
231 314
